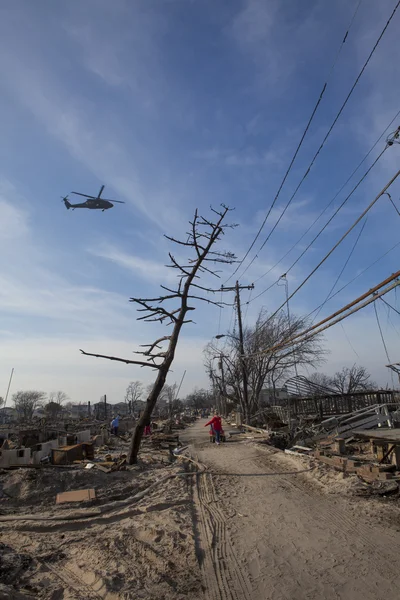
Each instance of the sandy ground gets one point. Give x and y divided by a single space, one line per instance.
256 524
120 546
265 531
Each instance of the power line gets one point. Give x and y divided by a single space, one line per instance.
344 286
390 306
318 151
343 268
394 206
348 340
264 291
299 144
332 200
356 277
321 262
339 208
381 333
361 302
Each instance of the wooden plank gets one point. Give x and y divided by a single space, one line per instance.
76 496
255 429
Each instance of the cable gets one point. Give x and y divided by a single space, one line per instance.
263 292
298 146
321 262
220 315
388 315
331 201
390 306
343 268
356 277
348 340
380 331
336 211
361 302
394 206
319 149
248 303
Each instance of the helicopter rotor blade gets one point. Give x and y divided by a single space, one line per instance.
84 195
108 200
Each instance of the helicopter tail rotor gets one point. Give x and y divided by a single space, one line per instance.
66 202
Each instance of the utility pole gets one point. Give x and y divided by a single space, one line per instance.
237 289
222 396
9 384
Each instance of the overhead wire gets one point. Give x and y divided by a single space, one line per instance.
356 277
390 306
333 199
306 173
394 206
348 340
351 308
321 262
299 144
383 339
388 315
343 268
220 314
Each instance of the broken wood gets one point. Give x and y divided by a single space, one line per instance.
76 496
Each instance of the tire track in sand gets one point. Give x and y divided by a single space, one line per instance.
223 575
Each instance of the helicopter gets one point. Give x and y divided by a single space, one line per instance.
93 202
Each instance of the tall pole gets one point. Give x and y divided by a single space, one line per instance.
9 384
180 385
241 349
237 289
222 396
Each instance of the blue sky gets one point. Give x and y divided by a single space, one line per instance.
174 105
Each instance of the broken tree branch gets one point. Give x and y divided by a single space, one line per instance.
124 360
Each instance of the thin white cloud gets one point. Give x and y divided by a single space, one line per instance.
145 268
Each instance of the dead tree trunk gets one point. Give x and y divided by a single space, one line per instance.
201 239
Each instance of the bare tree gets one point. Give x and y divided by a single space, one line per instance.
58 397
261 364
202 236
1 401
321 384
354 379
26 402
133 394
199 398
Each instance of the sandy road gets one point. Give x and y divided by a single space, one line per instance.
264 532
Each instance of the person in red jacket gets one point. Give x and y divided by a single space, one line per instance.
216 426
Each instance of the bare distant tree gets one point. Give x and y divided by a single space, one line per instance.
322 382
26 402
58 397
199 398
1 401
203 234
264 358
354 379
133 394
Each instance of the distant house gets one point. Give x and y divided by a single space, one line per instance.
78 411
102 410
120 408
8 415
39 412
273 396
